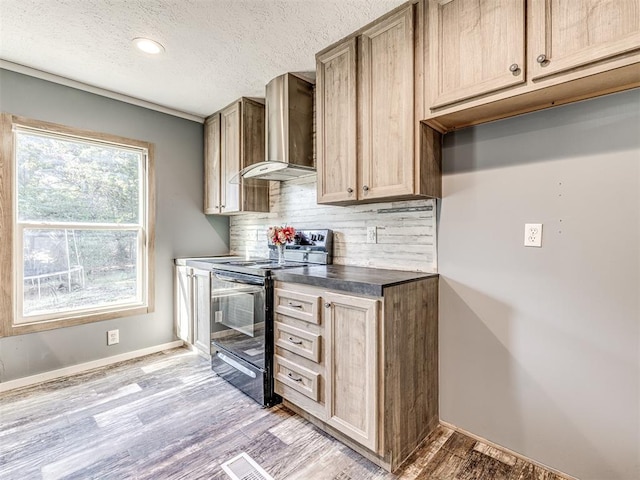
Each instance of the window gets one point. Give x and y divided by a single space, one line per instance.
81 223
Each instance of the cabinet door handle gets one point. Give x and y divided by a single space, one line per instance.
349 190
295 305
327 304
294 342
365 188
515 69
542 58
290 375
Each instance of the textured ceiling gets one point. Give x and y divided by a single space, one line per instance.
216 50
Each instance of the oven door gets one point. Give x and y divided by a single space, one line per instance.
238 315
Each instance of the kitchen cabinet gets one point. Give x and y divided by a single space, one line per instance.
351 363
370 144
572 35
363 368
489 60
235 139
299 370
336 112
193 308
475 48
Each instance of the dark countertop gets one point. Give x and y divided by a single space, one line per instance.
359 280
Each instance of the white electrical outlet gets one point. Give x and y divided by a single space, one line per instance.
113 337
533 235
372 234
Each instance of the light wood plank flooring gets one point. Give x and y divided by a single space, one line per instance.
167 416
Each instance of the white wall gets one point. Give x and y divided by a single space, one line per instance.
406 238
540 347
181 227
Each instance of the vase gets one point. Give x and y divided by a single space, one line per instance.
280 248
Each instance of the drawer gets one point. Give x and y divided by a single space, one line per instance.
298 305
298 341
297 377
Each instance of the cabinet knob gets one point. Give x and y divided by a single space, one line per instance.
365 188
349 190
514 68
327 304
542 58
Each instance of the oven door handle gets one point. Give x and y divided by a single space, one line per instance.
230 361
247 281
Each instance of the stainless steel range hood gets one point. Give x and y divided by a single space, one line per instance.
289 118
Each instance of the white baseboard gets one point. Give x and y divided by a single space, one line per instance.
83 367
507 450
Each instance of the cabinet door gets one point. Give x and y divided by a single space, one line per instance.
473 47
255 192
352 366
336 123
201 311
183 323
230 128
387 107
566 35
212 164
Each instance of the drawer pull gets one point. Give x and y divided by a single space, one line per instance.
295 305
290 375
294 342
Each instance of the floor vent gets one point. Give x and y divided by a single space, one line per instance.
243 467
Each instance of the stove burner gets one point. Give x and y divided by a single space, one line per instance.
275 266
265 264
249 263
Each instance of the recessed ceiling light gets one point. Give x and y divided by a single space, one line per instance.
148 46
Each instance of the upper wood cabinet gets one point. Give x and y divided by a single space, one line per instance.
212 164
336 123
566 35
483 64
474 48
369 140
235 139
386 108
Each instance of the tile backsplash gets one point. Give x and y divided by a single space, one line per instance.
406 230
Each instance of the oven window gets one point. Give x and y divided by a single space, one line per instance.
238 318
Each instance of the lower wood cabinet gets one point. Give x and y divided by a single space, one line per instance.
351 360
364 369
193 308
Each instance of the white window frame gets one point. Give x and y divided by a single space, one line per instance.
12 302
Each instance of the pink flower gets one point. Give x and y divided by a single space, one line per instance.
281 235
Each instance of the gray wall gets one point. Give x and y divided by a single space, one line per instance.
539 347
181 227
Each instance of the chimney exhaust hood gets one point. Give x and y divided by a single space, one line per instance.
289 136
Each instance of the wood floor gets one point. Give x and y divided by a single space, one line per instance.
167 416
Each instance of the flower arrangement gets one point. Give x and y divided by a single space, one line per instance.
281 235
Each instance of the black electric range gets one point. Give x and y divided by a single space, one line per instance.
242 312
